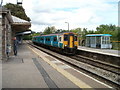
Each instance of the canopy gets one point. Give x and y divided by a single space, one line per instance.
99 35
20 25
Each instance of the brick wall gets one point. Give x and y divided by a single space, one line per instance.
5 36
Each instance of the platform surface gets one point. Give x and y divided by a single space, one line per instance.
101 51
32 68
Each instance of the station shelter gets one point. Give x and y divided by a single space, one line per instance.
98 41
9 26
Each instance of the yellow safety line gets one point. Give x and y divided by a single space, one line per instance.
72 78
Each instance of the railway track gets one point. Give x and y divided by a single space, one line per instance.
107 73
96 63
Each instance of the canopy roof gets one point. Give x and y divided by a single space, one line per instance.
98 35
17 20
20 25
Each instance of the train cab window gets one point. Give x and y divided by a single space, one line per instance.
75 38
65 37
59 38
55 39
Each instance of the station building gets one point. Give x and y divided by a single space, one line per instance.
9 26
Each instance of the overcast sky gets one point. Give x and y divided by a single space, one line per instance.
79 13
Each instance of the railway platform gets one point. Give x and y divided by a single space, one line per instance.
101 51
32 68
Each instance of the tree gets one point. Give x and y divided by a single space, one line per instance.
105 29
53 29
47 31
116 34
17 11
77 30
59 31
84 33
50 30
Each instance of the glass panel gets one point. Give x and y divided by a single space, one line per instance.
55 39
59 38
75 38
65 37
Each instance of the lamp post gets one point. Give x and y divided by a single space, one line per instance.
68 25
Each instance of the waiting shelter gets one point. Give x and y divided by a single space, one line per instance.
9 27
98 40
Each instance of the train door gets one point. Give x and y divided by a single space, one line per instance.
71 40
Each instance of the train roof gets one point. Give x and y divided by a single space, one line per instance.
56 34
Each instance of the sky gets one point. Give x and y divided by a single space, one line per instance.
78 13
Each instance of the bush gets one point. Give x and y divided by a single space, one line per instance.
116 45
27 37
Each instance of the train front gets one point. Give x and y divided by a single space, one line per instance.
70 43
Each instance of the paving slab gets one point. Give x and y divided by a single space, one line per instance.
21 74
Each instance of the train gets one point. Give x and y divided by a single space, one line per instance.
66 42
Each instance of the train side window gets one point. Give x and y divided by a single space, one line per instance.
65 37
48 39
75 38
41 39
55 39
59 38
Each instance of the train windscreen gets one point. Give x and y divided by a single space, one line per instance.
75 38
65 37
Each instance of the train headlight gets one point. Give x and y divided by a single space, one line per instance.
65 45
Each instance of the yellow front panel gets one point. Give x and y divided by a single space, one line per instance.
71 42
76 43
65 42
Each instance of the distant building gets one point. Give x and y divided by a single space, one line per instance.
119 13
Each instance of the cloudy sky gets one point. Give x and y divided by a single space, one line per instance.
79 13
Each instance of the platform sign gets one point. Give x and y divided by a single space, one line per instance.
119 13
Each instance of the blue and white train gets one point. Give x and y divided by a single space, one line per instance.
65 42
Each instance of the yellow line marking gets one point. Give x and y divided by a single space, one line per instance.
72 78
